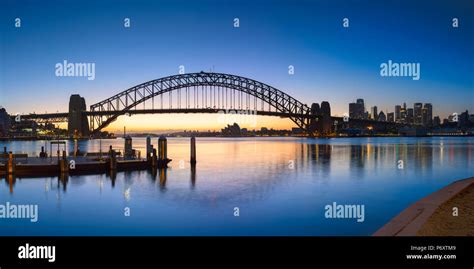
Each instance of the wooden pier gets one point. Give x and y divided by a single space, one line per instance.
90 163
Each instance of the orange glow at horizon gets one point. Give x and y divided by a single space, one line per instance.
200 122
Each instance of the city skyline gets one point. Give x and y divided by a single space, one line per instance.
331 63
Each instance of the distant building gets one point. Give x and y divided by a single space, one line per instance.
418 113
403 113
361 106
436 121
5 122
382 116
374 113
398 117
391 117
410 115
463 119
352 110
427 114
357 110
297 131
232 130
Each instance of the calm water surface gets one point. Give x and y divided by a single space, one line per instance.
280 185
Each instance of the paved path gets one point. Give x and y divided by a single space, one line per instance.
410 220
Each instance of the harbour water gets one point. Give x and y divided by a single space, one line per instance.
278 186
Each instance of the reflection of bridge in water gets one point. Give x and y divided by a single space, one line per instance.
199 93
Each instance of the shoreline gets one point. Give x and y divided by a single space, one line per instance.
2 139
422 217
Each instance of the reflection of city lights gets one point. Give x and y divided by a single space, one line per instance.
126 194
101 184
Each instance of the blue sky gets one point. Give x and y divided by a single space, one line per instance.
331 63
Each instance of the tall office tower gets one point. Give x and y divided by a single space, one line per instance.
352 110
428 116
397 113
436 121
361 107
374 113
410 115
423 116
403 114
390 117
417 113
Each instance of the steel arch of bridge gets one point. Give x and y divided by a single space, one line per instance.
108 110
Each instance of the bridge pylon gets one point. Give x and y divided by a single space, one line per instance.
78 125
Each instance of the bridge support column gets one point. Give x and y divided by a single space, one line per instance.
78 125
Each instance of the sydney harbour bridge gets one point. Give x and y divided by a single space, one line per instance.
203 92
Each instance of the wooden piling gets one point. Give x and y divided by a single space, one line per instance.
162 149
148 148
11 164
193 150
154 161
63 164
113 161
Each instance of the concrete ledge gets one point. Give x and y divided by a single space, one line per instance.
410 220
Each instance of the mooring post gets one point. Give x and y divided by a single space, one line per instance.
193 150
148 148
128 147
11 164
75 147
162 148
154 161
113 161
63 164
110 152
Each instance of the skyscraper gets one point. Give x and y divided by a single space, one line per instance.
398 108
428 114
361 108
390 117
417 113
410 115
352 110
374 113
436 121
357 110
403 113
